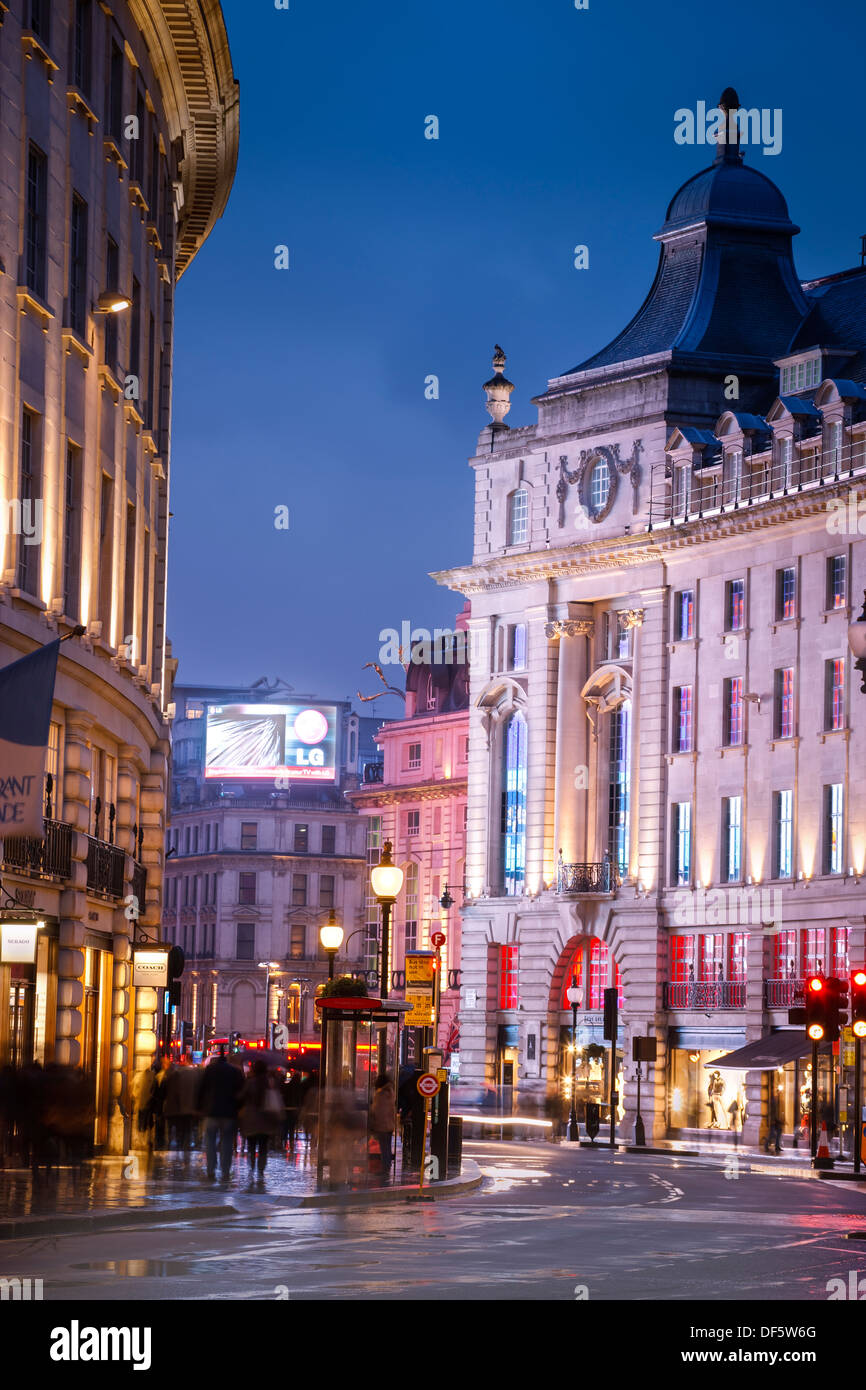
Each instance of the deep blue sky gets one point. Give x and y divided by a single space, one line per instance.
410 256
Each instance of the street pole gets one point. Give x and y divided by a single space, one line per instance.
858 1100
386 946
813 1117
267 1001
572 1124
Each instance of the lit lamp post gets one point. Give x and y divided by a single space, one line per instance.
331 937
268 965
575 999
857 643
387 880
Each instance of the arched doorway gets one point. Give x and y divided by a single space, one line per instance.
583 1054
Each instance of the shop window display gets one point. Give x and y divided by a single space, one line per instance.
700 1096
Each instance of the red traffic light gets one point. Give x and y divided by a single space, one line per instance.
816 983
859 978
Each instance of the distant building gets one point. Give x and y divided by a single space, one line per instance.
259 857
417 800
118 147
666 734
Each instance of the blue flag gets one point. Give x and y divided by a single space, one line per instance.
26 694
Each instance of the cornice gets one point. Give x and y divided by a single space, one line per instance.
379 795
189 49
629 552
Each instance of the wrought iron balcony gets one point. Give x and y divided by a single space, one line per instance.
705 994
139 883
784 994
47 857
587 878
105 863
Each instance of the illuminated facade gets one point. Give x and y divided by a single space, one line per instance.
664 790
256 863
115 167
416 798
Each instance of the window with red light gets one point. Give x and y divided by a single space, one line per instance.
599 972
712 957
737 956
682 959
617 980
574 972
508 977
812 946
839 949
784 966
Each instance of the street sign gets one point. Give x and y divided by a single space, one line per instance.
427 1085
438 938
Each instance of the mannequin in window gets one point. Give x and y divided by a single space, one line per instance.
715 1099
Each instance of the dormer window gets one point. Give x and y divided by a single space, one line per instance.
801 376
518 517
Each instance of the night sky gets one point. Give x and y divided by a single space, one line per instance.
409 257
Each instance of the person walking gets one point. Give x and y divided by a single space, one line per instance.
382 1119
219 1095
262 1113
292 1092
734 1112
181 1088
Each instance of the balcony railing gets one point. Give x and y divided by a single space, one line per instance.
587 878
784 994
705 994
47 857
105 864
139 883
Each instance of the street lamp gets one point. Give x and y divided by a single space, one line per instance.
857 643
268 965
331 937
575 999
387 880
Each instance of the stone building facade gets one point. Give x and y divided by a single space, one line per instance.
665 727
119 145
255 866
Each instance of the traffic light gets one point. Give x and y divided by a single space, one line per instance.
858 1003
816 1008
234 1042
837 1008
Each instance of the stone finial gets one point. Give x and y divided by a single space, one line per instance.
498 390
729 151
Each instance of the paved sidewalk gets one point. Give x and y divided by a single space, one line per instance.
148 1187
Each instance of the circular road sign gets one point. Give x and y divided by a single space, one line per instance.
427 1084
438 938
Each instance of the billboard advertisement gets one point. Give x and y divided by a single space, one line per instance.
297 742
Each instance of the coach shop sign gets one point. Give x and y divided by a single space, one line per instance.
18 942
150 966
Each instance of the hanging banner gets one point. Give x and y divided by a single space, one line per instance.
150 967
18 942
26 693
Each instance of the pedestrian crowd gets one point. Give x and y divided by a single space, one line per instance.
46 1116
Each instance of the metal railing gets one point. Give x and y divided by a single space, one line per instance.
587 878
105 864
49 856
784 994
705 994
139 883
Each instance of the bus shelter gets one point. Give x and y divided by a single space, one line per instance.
360 1041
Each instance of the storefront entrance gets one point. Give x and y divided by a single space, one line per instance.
28 999
96 1029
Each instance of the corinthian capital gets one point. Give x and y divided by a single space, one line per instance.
569 627
631 617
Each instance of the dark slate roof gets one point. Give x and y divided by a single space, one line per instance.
837 318
848 388
728 193
751 422
799 405
732 289
696 436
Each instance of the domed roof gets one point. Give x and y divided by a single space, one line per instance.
728 192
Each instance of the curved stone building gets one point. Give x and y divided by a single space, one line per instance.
664 799
117 153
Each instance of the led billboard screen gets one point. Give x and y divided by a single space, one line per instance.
298 742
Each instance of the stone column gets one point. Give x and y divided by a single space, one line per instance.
758 950
572 759
541 731
129 769
152 802
73 899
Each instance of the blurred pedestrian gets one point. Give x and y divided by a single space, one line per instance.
261 1116
308 1115
734 1112
218 1100
292 1095
382 1119
8 1089
157 1102
181 1097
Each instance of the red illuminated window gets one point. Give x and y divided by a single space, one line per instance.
784 965
712 957
812 946
574 972
839 949
682 959
737 956
508 977
617 980
599 973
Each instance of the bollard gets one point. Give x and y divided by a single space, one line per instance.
455 1144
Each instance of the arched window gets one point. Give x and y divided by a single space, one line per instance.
574 972
410 907
514 806
619 800
518 517
599 973
431 694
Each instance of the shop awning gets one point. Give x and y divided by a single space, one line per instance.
766 1054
